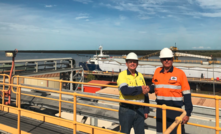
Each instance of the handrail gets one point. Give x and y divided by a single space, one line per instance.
217 98
73 82
194 95
36 60
75 95
3 89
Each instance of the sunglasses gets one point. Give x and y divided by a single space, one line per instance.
164 59
132 61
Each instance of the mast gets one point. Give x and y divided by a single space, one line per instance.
101 50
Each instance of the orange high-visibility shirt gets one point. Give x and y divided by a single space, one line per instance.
172 88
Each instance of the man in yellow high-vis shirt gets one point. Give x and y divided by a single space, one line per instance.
132 87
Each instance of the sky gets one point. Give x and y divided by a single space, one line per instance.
114 24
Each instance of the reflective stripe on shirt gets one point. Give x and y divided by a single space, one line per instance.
167 86
134 100
186 92
122 84
170 98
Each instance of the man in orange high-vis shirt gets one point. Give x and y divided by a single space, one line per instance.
172 89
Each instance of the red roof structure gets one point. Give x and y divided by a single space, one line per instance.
94 89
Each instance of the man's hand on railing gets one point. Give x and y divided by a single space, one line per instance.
185 120
146 115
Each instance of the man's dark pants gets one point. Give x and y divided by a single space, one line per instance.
129 117
171 115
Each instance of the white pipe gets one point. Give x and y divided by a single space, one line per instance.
192 55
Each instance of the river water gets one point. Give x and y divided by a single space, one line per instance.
77 57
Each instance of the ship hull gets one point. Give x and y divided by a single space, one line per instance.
190 69
89 67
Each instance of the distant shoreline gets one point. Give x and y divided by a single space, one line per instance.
214 53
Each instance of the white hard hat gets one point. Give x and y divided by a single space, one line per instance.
166 53
131 56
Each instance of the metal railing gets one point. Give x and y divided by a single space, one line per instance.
60 92
37 65
214 62
216 98
74 124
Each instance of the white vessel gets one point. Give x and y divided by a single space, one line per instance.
192 68
92 63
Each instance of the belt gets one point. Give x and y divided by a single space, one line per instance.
130 106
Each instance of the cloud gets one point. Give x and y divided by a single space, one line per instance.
49 6
143 17
212 4
117 23
122 17
217 14
84 1
142 32
204 14
82 16
201 47
169 15
112 6
132 7
190 1
32 28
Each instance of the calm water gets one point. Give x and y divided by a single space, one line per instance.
77 57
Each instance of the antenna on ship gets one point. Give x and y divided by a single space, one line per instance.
101 48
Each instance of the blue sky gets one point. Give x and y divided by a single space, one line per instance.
114 24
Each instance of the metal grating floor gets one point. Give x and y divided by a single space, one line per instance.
32 125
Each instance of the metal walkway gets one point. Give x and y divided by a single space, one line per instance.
61 100
33 126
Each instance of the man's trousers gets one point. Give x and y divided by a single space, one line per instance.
129 117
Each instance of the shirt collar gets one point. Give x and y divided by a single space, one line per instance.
128 72
171 70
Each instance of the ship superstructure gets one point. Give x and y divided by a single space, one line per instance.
92 63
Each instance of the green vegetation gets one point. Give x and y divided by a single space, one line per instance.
91 77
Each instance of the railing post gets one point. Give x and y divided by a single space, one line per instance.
74 112
17 91
19 110
36 67
60 98
82 76
217 114
164 117
3 93
179 130
71 79
55 65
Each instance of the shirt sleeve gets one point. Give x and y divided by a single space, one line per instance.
152 87
123 86
186 94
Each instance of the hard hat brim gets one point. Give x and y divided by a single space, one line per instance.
165 57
